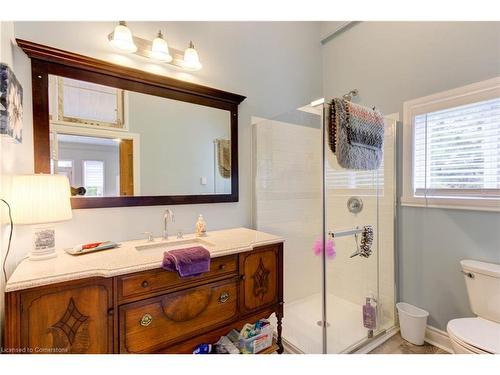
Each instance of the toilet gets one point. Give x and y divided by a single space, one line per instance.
479 335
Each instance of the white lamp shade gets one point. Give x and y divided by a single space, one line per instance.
122 38
191 58
40 198
159 49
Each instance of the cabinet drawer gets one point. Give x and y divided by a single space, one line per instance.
157 322
159 279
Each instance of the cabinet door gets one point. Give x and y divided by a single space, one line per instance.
260 278
68 318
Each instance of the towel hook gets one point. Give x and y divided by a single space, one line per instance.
350 95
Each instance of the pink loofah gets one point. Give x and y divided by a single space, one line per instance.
330 248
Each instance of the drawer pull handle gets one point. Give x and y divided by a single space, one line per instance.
145 284
222 266
146 320
224 297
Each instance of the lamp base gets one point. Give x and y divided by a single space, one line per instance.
36 256
44 240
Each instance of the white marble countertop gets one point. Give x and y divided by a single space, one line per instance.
126 258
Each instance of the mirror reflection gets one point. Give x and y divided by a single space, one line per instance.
112 142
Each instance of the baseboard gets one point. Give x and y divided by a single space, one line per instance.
438 338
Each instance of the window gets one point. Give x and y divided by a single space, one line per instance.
93 177
65 167
452 148
85 103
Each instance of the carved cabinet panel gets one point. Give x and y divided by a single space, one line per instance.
73 318
260 278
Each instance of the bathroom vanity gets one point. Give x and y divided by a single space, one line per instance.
122 301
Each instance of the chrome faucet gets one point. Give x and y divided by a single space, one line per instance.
168 215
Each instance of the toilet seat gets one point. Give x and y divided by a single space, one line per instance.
460 347
475 334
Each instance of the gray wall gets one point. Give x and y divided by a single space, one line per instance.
177 144
391 62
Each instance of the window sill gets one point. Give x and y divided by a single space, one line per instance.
491 205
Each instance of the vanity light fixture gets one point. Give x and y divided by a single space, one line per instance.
122 38
191 59
157 49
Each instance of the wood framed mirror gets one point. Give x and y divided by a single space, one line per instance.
125 137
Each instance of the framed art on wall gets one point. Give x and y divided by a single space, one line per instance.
11 104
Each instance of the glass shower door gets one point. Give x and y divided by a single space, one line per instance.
354 199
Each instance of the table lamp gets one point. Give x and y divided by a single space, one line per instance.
41 199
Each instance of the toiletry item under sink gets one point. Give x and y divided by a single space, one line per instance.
91 247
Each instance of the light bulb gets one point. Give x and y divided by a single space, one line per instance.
191 59
159 49
122 38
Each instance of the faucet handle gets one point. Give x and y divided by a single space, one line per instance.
180 234
150 236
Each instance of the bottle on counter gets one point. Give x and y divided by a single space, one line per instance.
201 227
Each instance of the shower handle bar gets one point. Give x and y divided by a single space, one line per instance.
343 233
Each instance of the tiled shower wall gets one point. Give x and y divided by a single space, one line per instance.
288 202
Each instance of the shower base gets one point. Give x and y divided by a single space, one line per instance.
345 324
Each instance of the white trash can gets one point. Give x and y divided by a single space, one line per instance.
412 321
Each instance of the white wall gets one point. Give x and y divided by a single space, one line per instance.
390 63
276 65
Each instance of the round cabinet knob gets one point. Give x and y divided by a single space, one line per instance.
146 320
145 284
224 297
222 267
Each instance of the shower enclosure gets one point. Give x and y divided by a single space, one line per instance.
302 194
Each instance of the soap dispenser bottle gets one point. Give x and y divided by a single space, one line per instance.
201 227
370 313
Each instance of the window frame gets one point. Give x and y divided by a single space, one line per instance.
466 200
57 116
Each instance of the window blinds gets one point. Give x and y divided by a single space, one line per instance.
93 177
457 151
89 101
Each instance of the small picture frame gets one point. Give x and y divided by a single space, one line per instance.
11 104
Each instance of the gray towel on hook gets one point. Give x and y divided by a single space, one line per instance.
355 138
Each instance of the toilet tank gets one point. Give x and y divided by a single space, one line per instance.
483 287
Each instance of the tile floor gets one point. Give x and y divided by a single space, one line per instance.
396 345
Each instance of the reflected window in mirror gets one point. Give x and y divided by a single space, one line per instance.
85 103
112 142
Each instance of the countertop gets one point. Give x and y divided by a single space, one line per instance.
127 259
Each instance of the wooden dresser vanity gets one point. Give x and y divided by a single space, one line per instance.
100 303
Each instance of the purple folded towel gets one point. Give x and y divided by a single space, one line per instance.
191 261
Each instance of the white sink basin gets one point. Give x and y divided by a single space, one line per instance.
180 243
